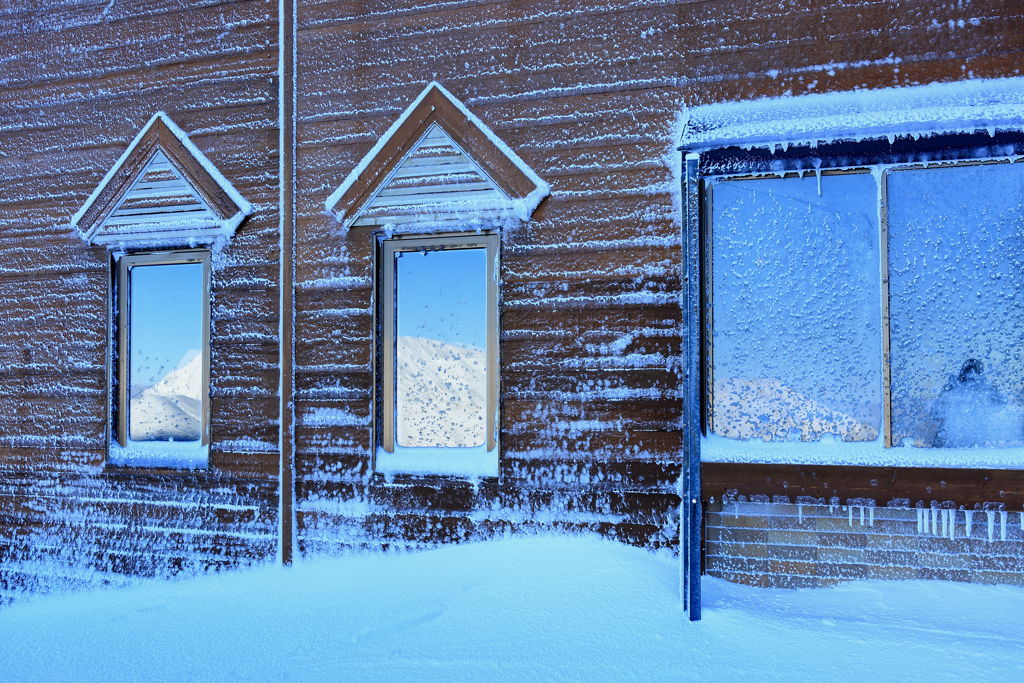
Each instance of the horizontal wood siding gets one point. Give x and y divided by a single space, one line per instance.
588 94
77 82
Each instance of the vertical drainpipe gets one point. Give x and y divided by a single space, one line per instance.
690 512
286 283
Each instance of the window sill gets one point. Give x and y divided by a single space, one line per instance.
169 455
470 463
718 449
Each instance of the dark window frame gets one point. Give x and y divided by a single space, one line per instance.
385 377
881 157
120 365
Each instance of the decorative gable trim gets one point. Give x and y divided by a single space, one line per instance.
437 162
162 190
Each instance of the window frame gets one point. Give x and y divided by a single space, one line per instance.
881 167
120 398
385 393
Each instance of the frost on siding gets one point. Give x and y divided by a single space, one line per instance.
991 105
957 280
796 308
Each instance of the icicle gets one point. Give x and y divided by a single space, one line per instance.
934 530
817 174
920 522
991 524
945 523
800 512
968 522
952 524
862 515
871 516
849 510
1002 525
1022 521
736 510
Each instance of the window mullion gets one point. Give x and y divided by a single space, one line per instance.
883 250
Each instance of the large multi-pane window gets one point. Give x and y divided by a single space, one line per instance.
869 305
438 359
163 344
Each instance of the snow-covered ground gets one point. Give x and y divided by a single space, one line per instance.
549 608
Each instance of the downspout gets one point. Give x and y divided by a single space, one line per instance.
690 504
286 281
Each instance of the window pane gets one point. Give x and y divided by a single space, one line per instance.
796 305
165 338
441 364
956 262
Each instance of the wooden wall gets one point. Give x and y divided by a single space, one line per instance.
77 82
588 94
795 545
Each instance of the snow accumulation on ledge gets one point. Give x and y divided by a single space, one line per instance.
865 454
990 105
173 454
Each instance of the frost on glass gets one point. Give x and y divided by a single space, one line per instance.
441 365
165 364
956 263
796 308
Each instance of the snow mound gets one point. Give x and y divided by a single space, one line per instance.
544 608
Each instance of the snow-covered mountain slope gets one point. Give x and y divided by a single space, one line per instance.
170 409
441 393
743 407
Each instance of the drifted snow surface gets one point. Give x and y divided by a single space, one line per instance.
549 608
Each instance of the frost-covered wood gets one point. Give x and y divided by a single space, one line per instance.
162 191
80 79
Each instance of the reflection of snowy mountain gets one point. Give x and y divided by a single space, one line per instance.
441 393
759 408
170 409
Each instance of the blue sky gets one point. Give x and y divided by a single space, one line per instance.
443 295
166 318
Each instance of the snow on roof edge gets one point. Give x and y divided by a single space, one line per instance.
245 208
524 206
921 110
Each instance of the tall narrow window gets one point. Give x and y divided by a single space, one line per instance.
439 356
163 359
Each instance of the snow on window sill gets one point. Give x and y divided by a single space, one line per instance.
719 449
173 454
472 463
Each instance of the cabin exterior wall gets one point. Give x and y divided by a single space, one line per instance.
78 80
589 95
592 96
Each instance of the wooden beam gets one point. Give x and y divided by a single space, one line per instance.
966 487
286 284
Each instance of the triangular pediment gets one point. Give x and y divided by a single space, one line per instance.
437 163
162 190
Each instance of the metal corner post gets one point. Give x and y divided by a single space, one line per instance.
690 512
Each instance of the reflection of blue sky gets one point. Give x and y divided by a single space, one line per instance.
166 319
442 295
